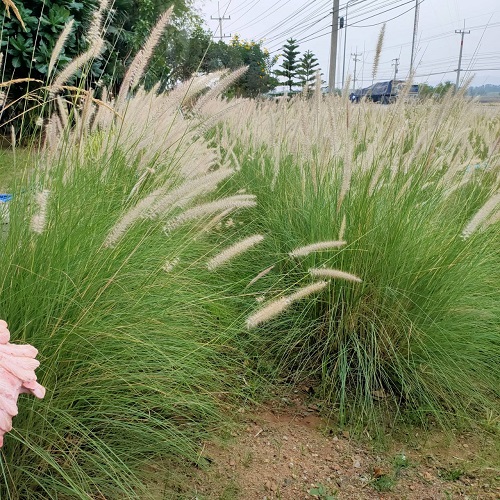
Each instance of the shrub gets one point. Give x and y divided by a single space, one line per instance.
420 332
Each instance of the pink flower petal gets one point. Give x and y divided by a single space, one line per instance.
17 376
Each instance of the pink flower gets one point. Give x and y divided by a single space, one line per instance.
17 376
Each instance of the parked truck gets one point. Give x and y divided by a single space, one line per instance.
383 92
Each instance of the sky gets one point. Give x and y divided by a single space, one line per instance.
437 47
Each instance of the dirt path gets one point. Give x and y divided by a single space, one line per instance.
289 454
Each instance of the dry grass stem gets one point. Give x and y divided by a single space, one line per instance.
9 4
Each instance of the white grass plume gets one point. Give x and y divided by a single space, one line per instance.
263 273
334 274
130 217
278 306
216 219
316 247
95 29
220 87
187 191
378 51
234 250
140 61
39 220
236 201
59 45
481 215
343 227
94 51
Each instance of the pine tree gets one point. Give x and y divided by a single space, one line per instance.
290 65
308 66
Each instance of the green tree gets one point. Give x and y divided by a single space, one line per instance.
308 67
290 64
258 79
27 49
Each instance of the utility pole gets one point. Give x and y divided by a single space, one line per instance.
396 66
414 41
355 57
220 19
333 46
463 33
345 38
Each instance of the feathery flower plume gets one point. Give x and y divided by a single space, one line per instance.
276 307
334 273
216 219
347 168
59 45
316 247
481 215
63 111
131 216
17 376
260 275
140 61
95 28
187 191
39 220
378 51
170 265
220 87
234 250
13 137
94 51
342 227
492 220
237 201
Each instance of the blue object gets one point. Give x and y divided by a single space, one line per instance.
5 197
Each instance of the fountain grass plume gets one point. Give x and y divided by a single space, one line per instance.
333 274
278 306
378 51
59 45
234 250
207 209
316 247
140 61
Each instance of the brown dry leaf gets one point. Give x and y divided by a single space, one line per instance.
9 4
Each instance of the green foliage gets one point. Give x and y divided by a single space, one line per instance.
322 492
202 54
290 65
308 67
438 92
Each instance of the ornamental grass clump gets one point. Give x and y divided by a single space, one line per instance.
408 324
131 342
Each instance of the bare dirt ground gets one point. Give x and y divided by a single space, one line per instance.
287 451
